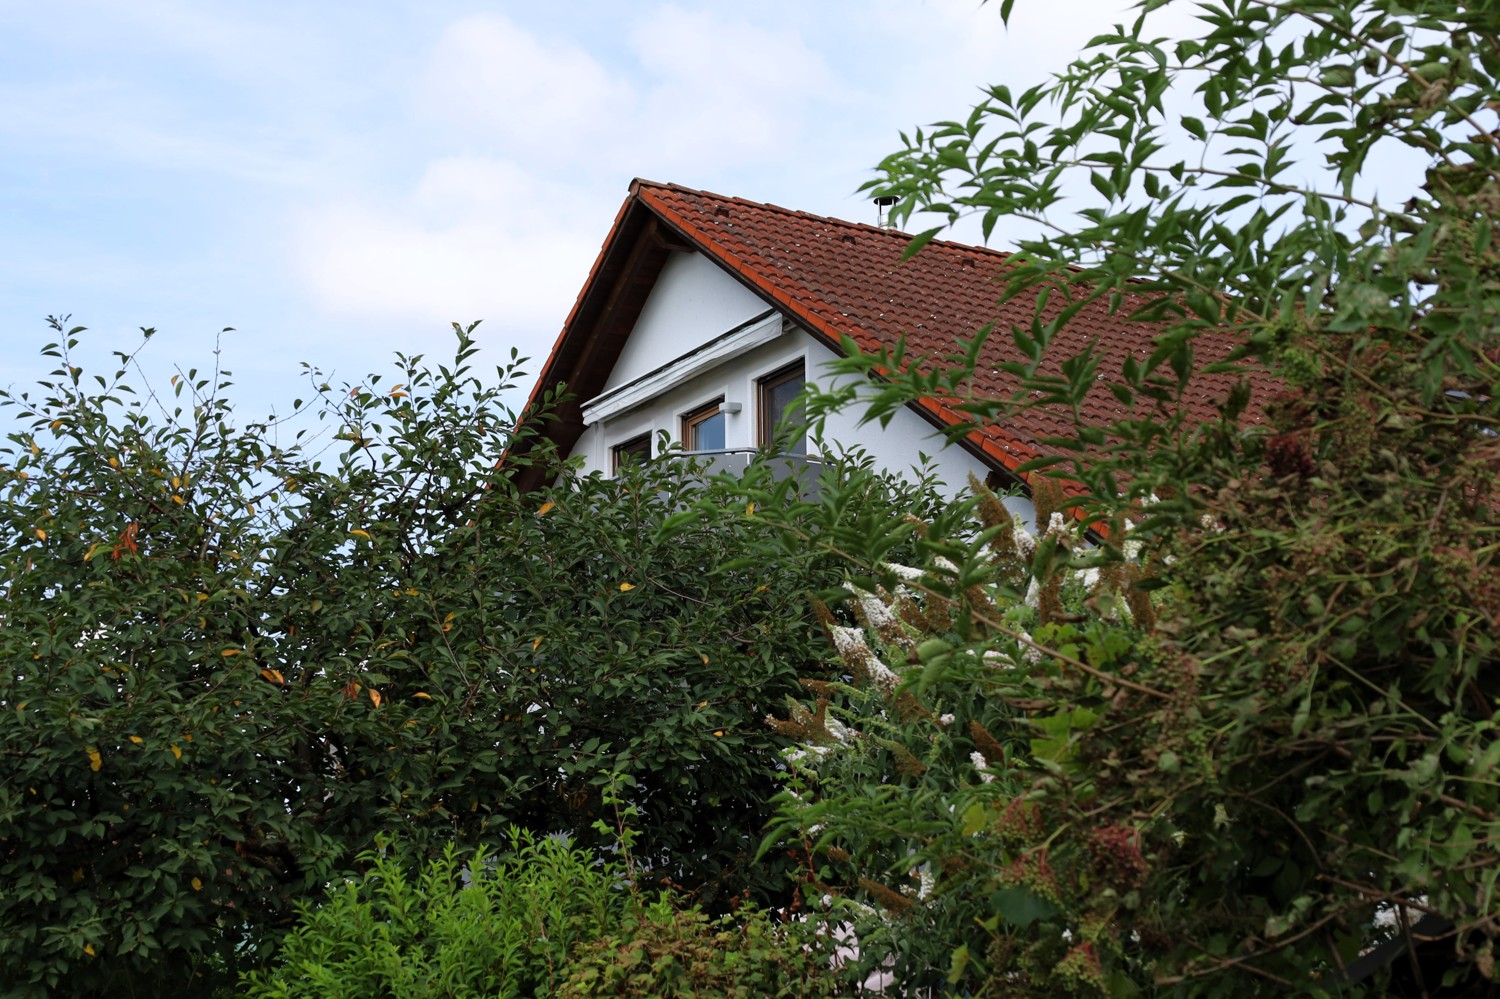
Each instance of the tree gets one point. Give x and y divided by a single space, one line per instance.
1283 758
238 652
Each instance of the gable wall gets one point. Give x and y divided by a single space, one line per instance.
692 302
695 303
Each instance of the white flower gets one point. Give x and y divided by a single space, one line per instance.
904 571
875 611
886 680
980 764
1025 540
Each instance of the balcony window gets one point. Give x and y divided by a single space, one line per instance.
637 449
703 429
781 403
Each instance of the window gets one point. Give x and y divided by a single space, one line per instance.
703 429
637 449
781 403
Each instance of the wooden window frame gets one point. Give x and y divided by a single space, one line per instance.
693 418
638 448
763 387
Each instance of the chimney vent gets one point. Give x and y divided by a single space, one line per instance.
881 204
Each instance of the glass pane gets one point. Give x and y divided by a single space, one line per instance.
783 405
637 449
707 434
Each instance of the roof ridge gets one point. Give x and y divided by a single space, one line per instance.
640 182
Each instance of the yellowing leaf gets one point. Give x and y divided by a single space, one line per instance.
374 697
95 760
718 733
535 644
93 550
88 949
41 534
177 752
177 499
423 695
230 652
749 509
704 658
136 739
360 534
274 675
626 587
541 511
114 462
197 884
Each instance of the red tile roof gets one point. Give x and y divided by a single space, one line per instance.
839 278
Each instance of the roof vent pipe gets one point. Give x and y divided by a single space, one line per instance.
881 204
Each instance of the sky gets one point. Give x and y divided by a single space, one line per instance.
340 181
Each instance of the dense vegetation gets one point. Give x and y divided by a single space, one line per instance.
1247 742
1228 726
237 655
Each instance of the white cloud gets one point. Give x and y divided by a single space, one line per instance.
507 229
476 239
723 90
508 89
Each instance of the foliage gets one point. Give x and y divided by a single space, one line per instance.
238 652
486 925
1291 746
666 950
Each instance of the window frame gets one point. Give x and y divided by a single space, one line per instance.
696 417
637 447
767 419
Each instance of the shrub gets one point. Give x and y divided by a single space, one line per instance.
238 656
484 926
666 950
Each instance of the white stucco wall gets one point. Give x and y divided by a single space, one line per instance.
692 302
695 303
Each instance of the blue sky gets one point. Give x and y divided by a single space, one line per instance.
339 181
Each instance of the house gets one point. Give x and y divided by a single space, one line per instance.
704 315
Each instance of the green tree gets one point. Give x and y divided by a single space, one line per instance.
238 652
1286 755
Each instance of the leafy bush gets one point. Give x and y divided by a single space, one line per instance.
484 926
666 950
1284 757
241 654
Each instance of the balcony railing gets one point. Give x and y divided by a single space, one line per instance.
733 461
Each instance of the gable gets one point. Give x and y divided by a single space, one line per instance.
692 302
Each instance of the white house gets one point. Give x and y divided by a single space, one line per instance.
703 315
